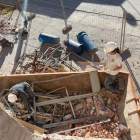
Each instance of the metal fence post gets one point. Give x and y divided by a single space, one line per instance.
124 29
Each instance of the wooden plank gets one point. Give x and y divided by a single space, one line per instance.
133 112
76 121
46 67
135 98
31 127
95 83
70 98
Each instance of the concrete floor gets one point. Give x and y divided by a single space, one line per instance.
100 19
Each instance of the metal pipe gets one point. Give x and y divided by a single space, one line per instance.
93 65
70 104
124 29
63 10
54 90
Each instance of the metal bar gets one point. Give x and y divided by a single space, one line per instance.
54 90
69 130
75 121
47 50
70 103
70 98
3 92
59 78
52 54
122 29
93 65
7 103
63 10
34 109
35 86
18 6
69 65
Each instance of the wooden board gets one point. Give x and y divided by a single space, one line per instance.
31 127
95 83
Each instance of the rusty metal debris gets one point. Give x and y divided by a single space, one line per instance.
74 114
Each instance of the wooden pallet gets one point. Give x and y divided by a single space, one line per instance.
137 100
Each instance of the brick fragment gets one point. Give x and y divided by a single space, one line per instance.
116 134
111 95
89 100
88 134
124 129
84 130
116 118
78 107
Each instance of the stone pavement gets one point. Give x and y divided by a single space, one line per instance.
101 19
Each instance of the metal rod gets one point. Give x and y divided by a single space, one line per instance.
63 10
47 50
124 29
3 92
69 65
93 65
59 78
74 121
36 86
54 90
34 109
7 102
70 103
69 130
52 54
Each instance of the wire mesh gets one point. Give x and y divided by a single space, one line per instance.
98 20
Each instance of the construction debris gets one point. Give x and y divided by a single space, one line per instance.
74 114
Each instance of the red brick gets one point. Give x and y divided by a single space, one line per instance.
99 106
84 131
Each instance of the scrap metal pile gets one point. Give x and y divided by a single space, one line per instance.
76 114
53 59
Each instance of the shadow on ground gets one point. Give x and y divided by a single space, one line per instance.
53 8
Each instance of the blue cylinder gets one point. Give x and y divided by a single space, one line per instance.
76 47
45 38
84 39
